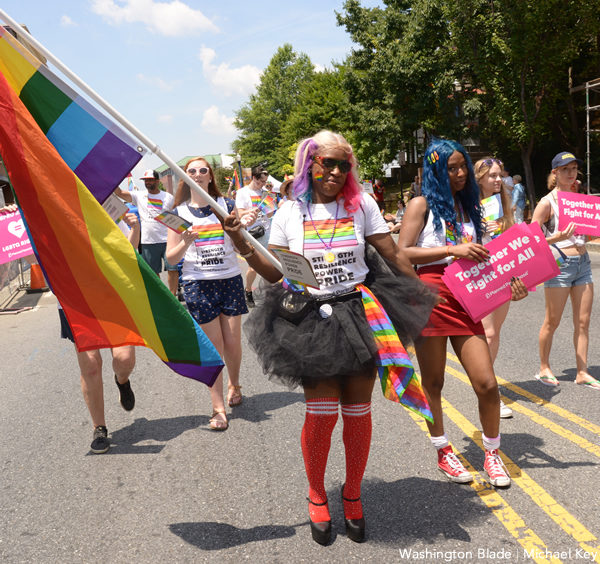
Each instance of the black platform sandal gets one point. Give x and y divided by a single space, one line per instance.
320 530
355 528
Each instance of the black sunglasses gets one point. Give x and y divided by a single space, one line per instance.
330 164
201 170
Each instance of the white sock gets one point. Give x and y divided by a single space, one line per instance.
491 444
439 442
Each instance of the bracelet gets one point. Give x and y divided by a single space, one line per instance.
249 253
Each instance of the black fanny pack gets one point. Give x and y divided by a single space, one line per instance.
295 306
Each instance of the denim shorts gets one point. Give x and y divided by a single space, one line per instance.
575 271
154 255
207 299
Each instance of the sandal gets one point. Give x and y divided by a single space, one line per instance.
235 398
548 380
216 424
593 383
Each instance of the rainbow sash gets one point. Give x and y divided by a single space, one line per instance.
399 382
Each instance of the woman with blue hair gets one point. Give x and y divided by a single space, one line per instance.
323 338
441 225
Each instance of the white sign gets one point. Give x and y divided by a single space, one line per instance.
296 268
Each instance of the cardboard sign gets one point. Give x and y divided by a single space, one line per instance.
296 267
521 251
14 242
173 221
492 208
581 209
115 207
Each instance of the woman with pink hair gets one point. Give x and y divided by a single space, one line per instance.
320 338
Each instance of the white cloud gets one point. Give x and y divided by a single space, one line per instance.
214 121
172 19
66 21
240 80
155 81
165 118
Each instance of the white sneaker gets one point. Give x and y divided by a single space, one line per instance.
505 411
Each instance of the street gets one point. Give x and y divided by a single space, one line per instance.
171 490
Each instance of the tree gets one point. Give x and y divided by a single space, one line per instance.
261 120
519 54
498 68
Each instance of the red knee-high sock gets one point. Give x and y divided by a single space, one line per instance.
321 417
357 441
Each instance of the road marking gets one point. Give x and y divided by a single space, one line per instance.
511 520
561 412
539 495
539 419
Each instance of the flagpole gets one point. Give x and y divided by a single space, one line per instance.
153 147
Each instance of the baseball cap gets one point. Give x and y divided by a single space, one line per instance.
149 175
564 158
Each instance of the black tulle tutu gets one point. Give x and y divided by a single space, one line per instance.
317 348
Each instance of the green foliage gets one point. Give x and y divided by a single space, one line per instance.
261 120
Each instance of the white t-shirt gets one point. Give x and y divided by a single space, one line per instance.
211 256
430 238
335 248
149 206
247 198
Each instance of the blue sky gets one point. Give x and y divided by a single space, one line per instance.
178 69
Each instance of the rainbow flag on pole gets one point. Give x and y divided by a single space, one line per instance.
108 292
236 179
98 151
397 376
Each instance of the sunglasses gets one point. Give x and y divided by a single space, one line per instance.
263 175
490 162
330 164
201 170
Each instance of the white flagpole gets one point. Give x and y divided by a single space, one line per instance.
177 170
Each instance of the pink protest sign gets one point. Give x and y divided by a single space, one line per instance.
520 251
580 209
14 242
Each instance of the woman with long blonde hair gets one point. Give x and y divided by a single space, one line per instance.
488 173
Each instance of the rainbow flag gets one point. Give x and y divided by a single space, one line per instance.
340 232
99 152
155 203
130 184
268 205
236 179
399 382
109 294
208 235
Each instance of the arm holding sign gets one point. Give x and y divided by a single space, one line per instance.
412 225
542 213
134 229
233 226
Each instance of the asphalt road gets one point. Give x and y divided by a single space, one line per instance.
171 490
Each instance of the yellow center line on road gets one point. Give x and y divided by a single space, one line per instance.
561 412
538 495
539 419
511 520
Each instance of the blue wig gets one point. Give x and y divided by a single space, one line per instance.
436 186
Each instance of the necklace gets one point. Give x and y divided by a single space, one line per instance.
329 256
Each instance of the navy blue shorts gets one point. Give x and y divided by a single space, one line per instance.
207 299
65 328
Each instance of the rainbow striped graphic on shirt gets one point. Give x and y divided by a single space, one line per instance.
340 232
155 203
209 235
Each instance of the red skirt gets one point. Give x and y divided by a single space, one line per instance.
448 318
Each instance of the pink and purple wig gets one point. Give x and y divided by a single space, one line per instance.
316 145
